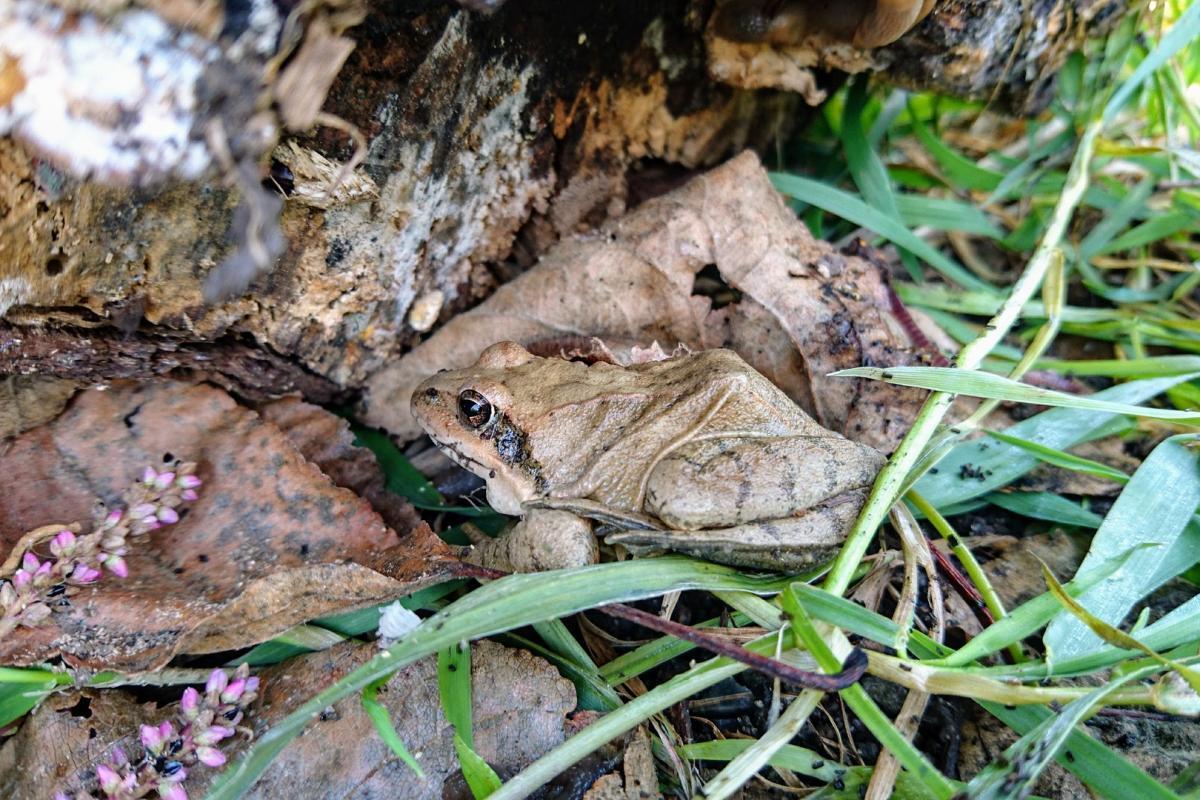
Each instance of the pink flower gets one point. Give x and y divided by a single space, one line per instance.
113 517
164 479
210 756
117 566
22 579
110 781
84 574
217 681
189 704
168 516
63 543
149 475
234 691
188 482
152 738
35 568
189 495
143 510
213 734
171 791
252 685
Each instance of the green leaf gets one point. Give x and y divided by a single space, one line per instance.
499 606
977 383
481 778
1062 459
1184 32
454 688
378 714
1047 506
1155 513
848 207
1097 765
1111 634
1013 775
979 466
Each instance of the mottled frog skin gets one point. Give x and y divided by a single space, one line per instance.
698 454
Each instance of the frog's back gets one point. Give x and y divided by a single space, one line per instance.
754 405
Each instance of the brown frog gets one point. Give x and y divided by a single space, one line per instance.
698 454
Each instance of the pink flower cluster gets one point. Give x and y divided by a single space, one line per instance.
42 584
170 748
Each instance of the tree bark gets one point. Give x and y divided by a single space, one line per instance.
487 138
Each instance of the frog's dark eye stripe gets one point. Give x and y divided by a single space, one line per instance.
475 409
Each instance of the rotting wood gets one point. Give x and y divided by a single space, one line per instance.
488 138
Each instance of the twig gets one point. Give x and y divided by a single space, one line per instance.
852 669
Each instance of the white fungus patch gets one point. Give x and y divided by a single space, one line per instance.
447 216
13 291
113 99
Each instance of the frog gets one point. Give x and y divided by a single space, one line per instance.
698 454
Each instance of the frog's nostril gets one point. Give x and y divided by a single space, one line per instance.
431 393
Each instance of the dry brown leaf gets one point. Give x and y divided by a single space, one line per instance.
270 543
805 309
340 754
58 745
326 440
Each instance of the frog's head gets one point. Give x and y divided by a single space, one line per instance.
472 414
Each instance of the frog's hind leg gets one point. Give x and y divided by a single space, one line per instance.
598 512
791 544
724 482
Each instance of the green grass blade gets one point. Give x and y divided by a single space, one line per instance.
1047 506
848 207
979 466
866 168
1100 767
946 214
499 606
960 170
790 756
454 688
1062 459
864 707
977 383
1013 775
1027 618
1185 31
481 778
378 714
1155 513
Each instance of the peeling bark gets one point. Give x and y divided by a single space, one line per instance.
487 139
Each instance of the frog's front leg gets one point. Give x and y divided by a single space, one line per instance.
544 539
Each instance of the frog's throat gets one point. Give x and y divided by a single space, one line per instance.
501 493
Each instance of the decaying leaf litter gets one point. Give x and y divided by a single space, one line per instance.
719 262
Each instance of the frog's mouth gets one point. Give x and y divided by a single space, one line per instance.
461 458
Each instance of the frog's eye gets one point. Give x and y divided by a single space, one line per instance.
476 409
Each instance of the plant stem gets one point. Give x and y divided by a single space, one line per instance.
892 479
